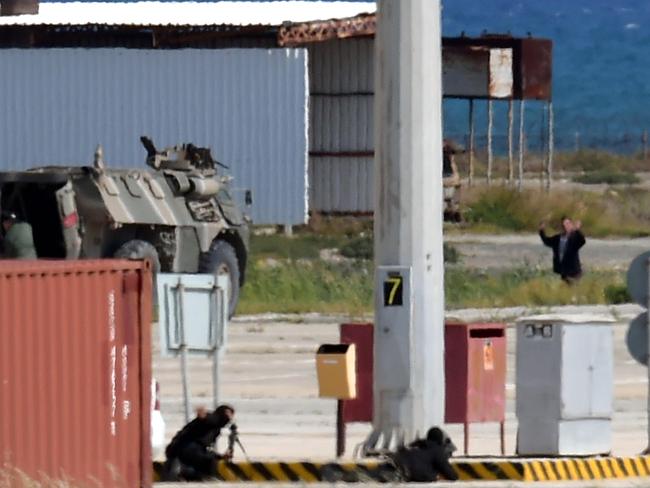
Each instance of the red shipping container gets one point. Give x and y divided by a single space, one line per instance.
75 371
475 374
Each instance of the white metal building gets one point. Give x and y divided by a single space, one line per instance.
332 171
341 146
208 73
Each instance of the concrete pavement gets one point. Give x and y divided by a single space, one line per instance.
270 378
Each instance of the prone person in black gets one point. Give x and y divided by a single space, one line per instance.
425 460
190 454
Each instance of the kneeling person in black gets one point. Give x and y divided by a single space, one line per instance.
193 445
427 459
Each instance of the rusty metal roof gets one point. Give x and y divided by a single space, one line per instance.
150 13
322 30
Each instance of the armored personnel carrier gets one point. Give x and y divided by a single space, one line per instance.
180 214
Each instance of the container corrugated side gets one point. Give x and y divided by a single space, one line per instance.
75 371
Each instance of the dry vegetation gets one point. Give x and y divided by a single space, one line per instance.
611 212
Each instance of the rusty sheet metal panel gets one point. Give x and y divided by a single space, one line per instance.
534 69
532 61
476 72
75 371
341 184
500 82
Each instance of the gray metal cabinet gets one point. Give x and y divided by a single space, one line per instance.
564 380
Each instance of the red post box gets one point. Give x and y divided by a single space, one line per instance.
475 375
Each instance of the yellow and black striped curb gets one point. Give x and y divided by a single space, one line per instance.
304 472
597 468
553 469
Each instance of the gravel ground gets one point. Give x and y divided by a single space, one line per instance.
508 251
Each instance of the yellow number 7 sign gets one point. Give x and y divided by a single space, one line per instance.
394 291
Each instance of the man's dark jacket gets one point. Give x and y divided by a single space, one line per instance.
569 265
202 431
424 461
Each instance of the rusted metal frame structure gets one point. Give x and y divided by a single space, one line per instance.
531 80
530 68
297 34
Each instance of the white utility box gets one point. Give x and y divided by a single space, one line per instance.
564 381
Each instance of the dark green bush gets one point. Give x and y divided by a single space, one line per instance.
450 254
358 248
616 294
607 176
502 207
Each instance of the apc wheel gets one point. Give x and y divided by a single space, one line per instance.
137 249
221 260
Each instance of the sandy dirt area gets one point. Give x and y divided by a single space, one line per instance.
510 251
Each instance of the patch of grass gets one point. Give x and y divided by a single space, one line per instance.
337 225
359 248
301 246
598 160
315 287
308 246
362 248
523 287
607 176
450 254
347 288
604 213
617 293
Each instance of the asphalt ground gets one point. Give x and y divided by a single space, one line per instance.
269 375
626 483
269 371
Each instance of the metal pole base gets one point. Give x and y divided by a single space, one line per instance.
380 442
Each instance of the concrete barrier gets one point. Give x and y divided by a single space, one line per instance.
515 469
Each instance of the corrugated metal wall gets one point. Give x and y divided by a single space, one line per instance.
75 373
249 105
342 184
341 126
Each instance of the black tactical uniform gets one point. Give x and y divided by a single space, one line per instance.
192 445
426 459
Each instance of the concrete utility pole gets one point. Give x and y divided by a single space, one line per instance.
409 394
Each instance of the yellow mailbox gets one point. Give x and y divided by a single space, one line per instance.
335 366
